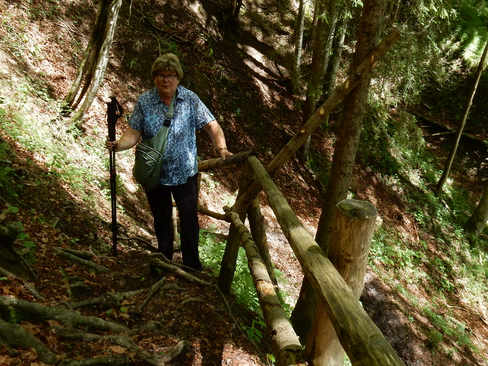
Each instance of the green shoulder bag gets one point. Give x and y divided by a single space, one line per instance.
149 155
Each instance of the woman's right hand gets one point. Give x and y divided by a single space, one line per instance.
111 145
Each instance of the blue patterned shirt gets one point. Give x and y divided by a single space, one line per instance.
190 114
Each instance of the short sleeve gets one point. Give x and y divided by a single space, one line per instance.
202 114
137 117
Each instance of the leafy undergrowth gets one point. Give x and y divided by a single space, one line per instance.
426 287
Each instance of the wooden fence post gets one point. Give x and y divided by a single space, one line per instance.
229 259
350 241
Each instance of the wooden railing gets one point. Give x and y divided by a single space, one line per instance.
361 339
359 336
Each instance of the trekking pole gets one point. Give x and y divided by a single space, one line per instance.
114 111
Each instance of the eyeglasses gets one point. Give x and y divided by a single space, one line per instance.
167 77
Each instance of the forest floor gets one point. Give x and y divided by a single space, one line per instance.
59 193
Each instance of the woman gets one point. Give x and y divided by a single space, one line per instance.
180 165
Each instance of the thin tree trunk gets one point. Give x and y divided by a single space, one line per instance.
477 222
229 259
344 155
452 154
338 47
298 45
322 47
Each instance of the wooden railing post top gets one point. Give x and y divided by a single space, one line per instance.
357 209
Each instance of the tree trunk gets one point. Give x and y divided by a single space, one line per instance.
322 46
351 235
452 154
338 47
336 98
92 69
344 154
298 46
477 222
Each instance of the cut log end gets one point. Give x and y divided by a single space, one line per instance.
362 210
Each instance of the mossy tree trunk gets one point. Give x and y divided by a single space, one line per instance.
344 155
92 68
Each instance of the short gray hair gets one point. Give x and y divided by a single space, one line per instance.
167 62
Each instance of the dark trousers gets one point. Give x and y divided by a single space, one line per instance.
186 198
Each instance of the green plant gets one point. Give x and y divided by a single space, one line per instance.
211 252
23 239
434 338
255 331
270 359
449 327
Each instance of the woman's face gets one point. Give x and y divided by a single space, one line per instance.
166 82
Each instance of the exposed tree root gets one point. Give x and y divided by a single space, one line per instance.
154 288
16 336
126 342
108 300
100 361
74 257
26 284
16 308
179 271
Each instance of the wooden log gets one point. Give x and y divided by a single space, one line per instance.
286 344
257 225
350 240
320 115
210 164
362 340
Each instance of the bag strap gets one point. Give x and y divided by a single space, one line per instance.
171 108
